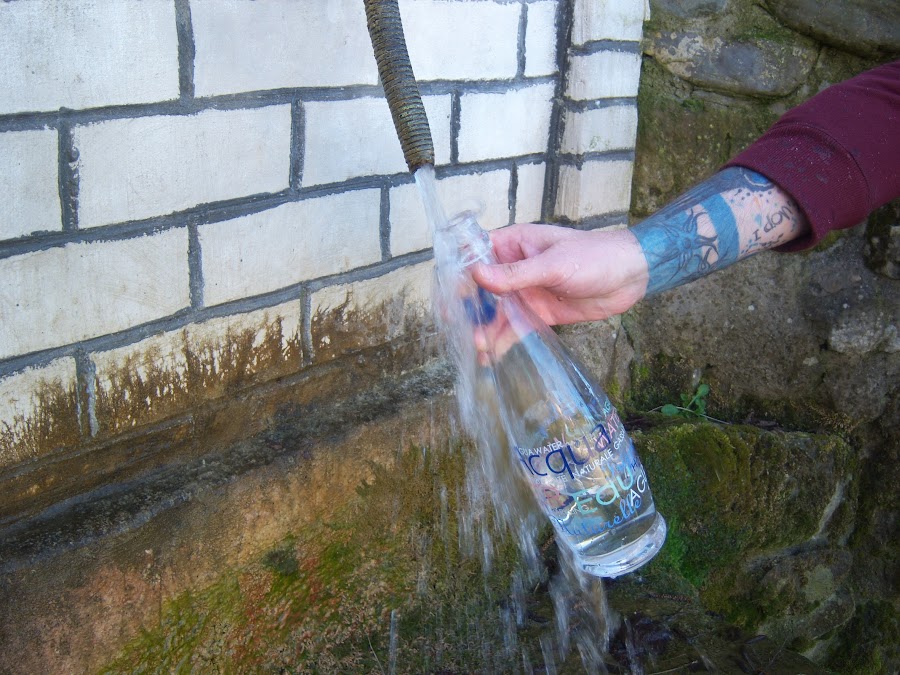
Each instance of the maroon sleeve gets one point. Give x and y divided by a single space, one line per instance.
838 154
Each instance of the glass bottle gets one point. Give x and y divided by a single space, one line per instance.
564 433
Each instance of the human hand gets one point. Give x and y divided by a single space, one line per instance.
566 275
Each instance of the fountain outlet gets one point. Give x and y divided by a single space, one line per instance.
399 82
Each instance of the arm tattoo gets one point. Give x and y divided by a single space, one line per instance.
698 232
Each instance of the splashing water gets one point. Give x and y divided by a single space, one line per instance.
498 498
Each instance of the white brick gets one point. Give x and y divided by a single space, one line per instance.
131 169
28 183
242 45
505 124
166 352
86 54
605 74
599 130
529 192
370 312
19 393
38 411
291 243
461 40
597 189
63 295
540 39
607 20
487 193
346 139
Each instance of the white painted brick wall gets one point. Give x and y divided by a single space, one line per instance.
86 54
347 139
599 188
474 40
530 192
291 243
131 169
605 74
243 45
505 125
28 183
540 39
607 20
387 303
78 291
487 193
599 130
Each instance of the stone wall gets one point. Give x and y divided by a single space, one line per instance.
785 341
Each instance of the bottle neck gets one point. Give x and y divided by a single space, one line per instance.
472 242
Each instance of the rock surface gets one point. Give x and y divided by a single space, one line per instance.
866 27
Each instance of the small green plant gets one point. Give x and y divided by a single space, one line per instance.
691 406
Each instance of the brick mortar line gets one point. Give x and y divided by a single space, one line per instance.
195 265
67 178
564 24
513 190
572 105
597 46
205 214
520 41
455 125
298 145
27 121
578 159
184 28
598 222
188 316
384 223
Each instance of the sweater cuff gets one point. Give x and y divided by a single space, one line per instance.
817 172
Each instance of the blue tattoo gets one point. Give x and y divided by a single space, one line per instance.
671 240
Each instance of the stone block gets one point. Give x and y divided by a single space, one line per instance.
604 74
600 130
38 411
598 188
28 182
166 374
540 39
487 193
294 242
86 55
529 192
607 20
748 68
508 124
366 313
63 295
131 169
243 45
347 139
461 40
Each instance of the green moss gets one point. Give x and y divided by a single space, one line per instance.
730 493
868 644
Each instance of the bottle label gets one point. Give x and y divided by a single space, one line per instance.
592 483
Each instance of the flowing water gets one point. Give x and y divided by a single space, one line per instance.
498 497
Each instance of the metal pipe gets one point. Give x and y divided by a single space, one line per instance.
399 82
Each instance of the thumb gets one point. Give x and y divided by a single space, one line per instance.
506 277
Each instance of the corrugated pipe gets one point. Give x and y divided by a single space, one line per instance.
395 70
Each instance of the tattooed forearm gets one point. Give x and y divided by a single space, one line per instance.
732 215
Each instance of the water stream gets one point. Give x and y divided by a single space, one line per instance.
498 499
